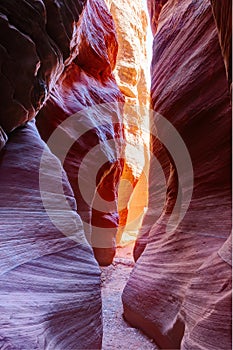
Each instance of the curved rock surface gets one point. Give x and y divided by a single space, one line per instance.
208 302
88 82
50 282
43 32
168 293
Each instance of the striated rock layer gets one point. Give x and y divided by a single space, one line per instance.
49 280
223 16
87 82
132 74
208 303
179 291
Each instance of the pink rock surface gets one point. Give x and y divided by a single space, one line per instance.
223 17
179 290
86 83
208 302
49 280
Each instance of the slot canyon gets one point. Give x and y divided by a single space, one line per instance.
115 174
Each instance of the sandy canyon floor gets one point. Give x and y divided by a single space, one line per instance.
118 334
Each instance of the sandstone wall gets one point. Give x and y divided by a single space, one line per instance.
223 17
50 283
56 58
132 76
179 291
86 83
36 40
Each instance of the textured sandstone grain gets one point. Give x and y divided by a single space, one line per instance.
154 9
189 88
116 331
131 26
223 16
208 301
49 280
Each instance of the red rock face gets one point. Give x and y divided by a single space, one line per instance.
154 8
35 44
86 83
49 281
179 290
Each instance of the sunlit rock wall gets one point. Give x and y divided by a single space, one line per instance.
180 289
93 159
132 76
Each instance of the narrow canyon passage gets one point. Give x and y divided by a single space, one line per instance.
118 334
132 73
115 183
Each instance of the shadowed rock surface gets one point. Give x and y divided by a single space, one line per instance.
179 290
36 42
208 302
68 63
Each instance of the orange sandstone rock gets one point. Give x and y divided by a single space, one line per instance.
131 74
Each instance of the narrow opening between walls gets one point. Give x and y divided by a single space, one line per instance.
132 74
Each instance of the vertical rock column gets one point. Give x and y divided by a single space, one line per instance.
131 74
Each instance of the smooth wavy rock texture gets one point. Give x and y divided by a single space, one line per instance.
179 290
50 282
84 84
208 302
